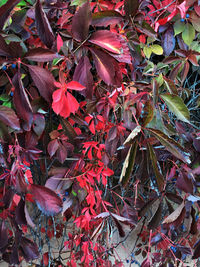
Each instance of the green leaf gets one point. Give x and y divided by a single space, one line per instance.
78 2
3 2
188 34
147 51
128 164
157 49
178 27
171 145
177 106
154 161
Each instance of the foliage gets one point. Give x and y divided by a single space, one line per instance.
99 130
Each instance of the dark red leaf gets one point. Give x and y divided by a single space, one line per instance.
83 75
43 80
21 102
53 147
29 249
107 67
8 197
131 7
46 199
41 55
196 253
43 27
5 11
4 49
156 218
106 17
20 213
168 41
38 124
119 227
8 116
184 183
146 263
3 235
81 22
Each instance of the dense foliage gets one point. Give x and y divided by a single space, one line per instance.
99 130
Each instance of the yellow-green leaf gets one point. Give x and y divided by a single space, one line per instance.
133 134
157 49
176 106
147 51
188 34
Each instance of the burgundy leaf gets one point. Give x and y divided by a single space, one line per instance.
196 253
20 213
119 227
146 263
156 218
83 75
81 22
106 17
8 197
131 7
21 102
168 42
43 80
184 183
107 67
28 218
43 27
5 11
46 199
8 116
53 147
3 235
41 55
4 49
67 204
38 124
29 249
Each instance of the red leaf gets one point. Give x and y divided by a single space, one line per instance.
29 249
44 81
21 102
165 20
46 199
106 17
43 27
107 40
59 42
41 55
146 263
5 11
83 75
196 253
81 22
73 85
8 116
20 213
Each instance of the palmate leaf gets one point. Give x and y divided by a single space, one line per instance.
171 145
177 106
128 164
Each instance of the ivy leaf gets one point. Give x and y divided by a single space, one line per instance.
176 106
188 34
171 145
128 164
